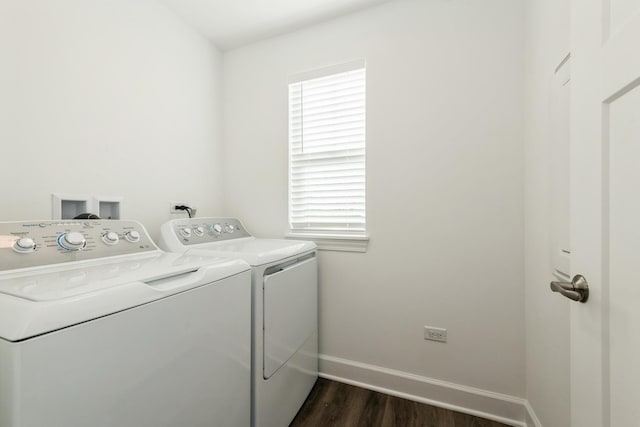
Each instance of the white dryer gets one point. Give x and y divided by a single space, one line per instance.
100 328
284 304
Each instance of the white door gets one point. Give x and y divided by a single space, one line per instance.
605 212
290 312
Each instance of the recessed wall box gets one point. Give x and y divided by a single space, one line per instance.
67 206
108 207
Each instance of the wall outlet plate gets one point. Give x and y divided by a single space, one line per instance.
173 210
435 334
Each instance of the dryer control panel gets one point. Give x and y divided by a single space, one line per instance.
26 244
193 231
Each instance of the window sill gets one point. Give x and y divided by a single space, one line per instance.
333 242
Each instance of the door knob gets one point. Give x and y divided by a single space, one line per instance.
577 289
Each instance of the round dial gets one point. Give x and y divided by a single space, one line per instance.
24 245
72 241
229 228
132 236
185 232
216 228
110 238
199 231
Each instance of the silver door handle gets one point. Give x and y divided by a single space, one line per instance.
577 289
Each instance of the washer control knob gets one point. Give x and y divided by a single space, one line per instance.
132 236
72 241
24 245
199 231
216 228
185 232
229 228
110 238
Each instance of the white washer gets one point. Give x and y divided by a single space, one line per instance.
100 328
284 303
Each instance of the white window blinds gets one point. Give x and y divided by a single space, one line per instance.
327 152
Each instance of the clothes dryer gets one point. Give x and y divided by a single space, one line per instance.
100 328
284 306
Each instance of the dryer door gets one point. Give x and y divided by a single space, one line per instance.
290 312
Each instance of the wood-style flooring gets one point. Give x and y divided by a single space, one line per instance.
332 403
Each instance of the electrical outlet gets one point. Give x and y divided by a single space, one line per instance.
435 334
173 210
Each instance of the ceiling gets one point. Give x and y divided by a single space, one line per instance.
232 23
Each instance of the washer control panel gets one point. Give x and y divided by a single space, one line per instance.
206 230
38 243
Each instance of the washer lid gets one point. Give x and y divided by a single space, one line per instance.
36 302
256 251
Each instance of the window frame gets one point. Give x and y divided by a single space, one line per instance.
326 239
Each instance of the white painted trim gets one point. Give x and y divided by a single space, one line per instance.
327 242
532 419
498 407
328 70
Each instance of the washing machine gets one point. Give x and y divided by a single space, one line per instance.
100 328
284 306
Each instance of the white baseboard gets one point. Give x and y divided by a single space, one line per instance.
531 417
510 410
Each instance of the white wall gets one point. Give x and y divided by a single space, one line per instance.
111 97
547 314
444 167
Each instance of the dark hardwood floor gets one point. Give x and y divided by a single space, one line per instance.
332 403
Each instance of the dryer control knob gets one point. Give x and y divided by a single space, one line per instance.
185 232
73 241
24 245
229 228
110 238
132 236
199 231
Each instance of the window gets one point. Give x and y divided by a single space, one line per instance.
327 134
